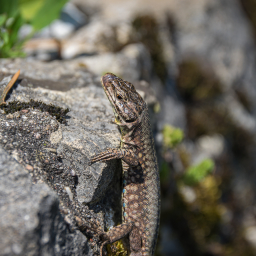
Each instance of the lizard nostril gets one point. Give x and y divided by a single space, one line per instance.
108 77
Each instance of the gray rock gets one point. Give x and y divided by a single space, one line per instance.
130 63
57 154
83 135
97 37
31 223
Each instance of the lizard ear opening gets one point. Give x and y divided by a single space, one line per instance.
119 97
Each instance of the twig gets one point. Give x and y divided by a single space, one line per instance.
8 87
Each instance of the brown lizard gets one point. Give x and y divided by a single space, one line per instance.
141 184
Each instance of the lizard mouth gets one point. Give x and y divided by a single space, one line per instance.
107 78
108 88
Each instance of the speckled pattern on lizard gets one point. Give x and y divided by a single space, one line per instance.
141 184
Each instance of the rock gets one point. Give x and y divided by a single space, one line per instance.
71 74
97 37
59 156
211 146
30 216
218 32
250 234
128 63
84 132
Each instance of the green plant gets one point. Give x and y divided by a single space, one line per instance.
15 13
172 136
196 173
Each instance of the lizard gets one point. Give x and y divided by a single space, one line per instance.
141 183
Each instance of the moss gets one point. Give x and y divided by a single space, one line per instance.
56 111
195 84
117 249
196 173
205 211
145 30
184 156
172 136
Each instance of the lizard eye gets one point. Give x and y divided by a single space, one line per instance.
119 96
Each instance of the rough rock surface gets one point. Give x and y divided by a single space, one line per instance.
54 146
31 223
57 153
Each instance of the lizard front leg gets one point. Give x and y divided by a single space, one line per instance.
126 155
120 231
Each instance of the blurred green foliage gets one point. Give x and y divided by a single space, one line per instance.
117 249
15 13
172 136
196 173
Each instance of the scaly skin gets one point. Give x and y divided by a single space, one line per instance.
141 193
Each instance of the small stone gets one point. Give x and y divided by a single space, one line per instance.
24 111
53 150
9 116
16 115
37 135
78 221
72 173
67 219
47 127
64 211
29 167
17 249
69 192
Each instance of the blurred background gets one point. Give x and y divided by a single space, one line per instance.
194 62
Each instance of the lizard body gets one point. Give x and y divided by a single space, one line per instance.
141 185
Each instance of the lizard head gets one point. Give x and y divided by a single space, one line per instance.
126 102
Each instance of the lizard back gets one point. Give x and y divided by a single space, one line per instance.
141 194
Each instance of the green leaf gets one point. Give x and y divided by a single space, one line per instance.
14 29
172 136
9 22
2 19
29 8
5 37
49 11
196 173
164 171
9 7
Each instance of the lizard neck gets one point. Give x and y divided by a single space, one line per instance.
131 133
